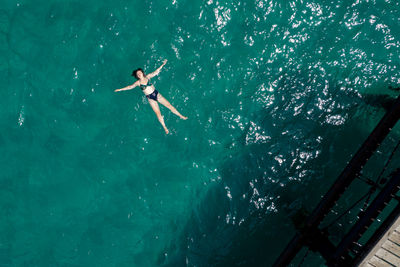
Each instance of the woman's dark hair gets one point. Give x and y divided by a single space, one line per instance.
134 73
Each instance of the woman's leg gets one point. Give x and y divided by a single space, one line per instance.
165 102
156 109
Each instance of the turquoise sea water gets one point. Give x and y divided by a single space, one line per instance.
279 95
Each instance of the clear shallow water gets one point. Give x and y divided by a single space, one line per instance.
279 96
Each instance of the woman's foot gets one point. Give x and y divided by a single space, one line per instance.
166 130
184 118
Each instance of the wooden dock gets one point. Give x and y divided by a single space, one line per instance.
386 252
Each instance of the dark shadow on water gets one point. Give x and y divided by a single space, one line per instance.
379 101
245 219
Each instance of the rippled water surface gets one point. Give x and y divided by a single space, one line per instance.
279 95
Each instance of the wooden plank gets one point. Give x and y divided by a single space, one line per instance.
368 265
395 237
377 262
392 247
387 256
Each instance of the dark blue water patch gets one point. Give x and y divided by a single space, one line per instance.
379 100
260 182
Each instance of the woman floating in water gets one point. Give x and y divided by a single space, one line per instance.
151 93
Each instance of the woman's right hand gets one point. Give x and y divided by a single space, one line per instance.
117 90
165 61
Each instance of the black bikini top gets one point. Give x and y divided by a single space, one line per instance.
143 86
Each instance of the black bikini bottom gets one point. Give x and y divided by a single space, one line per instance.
153 95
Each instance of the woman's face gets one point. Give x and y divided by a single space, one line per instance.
139 74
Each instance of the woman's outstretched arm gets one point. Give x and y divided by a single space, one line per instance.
129 87
157 71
